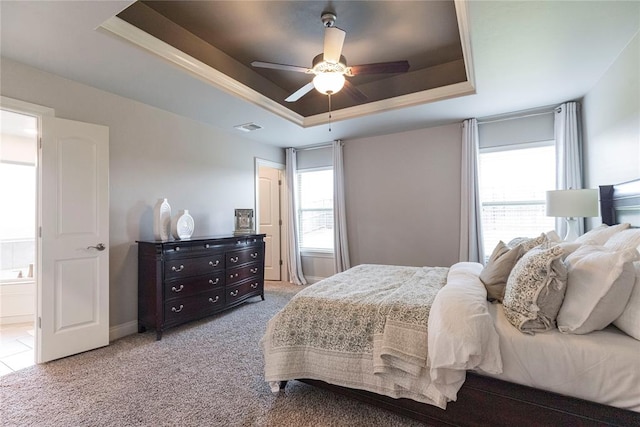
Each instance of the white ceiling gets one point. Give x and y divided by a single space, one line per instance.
525 55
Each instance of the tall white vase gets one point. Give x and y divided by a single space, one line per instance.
162 220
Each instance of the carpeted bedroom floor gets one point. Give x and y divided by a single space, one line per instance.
206 373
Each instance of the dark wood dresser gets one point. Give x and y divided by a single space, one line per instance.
184 280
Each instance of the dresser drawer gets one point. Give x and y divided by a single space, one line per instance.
191 307
243 256
176 249
176 268
243 290
238 274
178 288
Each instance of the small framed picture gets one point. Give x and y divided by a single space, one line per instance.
244 221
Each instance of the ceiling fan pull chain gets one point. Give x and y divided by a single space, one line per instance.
329 96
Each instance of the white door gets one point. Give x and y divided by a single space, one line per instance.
269 216
73 282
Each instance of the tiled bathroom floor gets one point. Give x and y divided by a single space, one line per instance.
16 347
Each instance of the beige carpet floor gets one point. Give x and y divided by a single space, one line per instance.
205 373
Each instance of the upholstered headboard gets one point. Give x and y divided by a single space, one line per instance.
620 203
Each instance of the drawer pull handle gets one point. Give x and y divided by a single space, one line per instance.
234 293
214 282
214 264
177 269
254 285
231 276
174 289
177 310
233 259
254 255
206 246
211 300
254 270
177 248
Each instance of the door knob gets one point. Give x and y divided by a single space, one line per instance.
99 246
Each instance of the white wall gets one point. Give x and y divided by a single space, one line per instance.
403 197
153 154
611 112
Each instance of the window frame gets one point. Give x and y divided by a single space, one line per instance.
502 148
311 251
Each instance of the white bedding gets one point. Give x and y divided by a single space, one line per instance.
465 332
366 328
602 366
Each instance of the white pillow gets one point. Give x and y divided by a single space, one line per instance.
601 234
599 284
629 320
626 239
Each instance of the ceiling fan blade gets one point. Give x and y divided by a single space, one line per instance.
379 68
333 41
300 92
354 92
273 65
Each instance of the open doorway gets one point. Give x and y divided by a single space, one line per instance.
18 223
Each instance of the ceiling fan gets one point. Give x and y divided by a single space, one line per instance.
330 67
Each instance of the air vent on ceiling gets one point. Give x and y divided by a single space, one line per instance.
248 127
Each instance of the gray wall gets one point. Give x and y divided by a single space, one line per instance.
153 154
402 190
403 197
611 112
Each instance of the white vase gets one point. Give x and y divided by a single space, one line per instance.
182 225
161 219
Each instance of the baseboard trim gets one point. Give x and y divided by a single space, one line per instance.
9 320
122 330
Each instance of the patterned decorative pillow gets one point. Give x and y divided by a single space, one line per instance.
495 274
535 290
528 243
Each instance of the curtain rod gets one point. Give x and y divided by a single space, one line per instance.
313 147
502 119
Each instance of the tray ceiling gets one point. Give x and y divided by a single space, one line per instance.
218 40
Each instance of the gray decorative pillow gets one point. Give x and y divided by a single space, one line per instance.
495 274
535 290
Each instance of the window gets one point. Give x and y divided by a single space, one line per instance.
18 223
315 209
513 183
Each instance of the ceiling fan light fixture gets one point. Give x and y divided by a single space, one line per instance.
328 82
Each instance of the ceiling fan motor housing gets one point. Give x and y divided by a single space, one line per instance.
328 19
320 65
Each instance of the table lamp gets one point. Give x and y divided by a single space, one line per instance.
572 204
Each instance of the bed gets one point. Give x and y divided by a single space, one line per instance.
479 371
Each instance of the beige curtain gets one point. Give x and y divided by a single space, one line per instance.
471 246
568 136
340 242
293 249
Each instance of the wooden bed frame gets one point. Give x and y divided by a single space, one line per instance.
485 401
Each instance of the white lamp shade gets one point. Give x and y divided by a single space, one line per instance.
328 82
572 203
